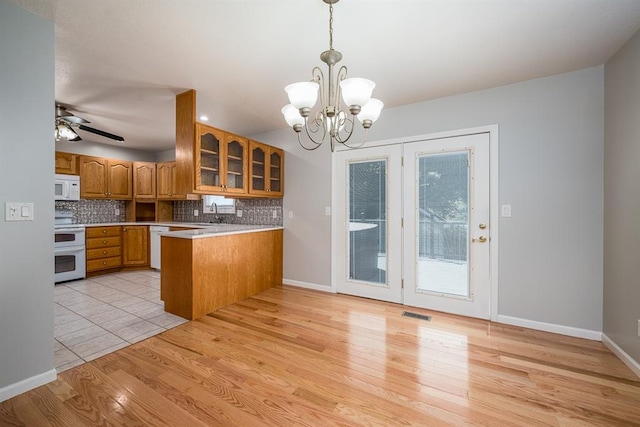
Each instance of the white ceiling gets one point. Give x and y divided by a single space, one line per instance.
119 63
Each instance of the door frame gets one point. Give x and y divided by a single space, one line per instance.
493 131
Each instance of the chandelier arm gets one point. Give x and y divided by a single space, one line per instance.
348 126
313 127
318 77
314 141
342 74
364 140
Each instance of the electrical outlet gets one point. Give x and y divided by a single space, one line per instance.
117 211
327 210
275 214
290 214
239 213
195 212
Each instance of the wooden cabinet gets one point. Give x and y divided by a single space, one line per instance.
144 180
266 167
200 276
104 248
213 161
167 184
220 162
135 245
105 178
66 163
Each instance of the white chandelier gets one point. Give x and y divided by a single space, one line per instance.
331 121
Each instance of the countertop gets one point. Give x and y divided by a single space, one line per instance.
201 229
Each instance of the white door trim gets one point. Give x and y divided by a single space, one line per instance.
494 164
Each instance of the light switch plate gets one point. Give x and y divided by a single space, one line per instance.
18 211
506 211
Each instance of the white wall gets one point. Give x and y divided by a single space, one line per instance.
551 154
120 152
26 173
622 200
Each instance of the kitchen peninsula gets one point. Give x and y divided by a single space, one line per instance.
206 269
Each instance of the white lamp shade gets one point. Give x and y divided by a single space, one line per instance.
303 94
371 110
292 115
356 91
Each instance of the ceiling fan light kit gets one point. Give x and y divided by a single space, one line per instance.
67 121
331 122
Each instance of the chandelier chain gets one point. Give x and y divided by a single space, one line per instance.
330 26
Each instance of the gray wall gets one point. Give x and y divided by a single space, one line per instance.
551 154
622 199
26 172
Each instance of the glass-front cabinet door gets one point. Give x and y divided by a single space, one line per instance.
208 154
258 159
266 165
276 163
220 161
235 161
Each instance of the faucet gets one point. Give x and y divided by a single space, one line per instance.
214 208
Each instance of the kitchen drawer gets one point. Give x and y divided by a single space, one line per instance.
103 242
102 231
104 263
106 252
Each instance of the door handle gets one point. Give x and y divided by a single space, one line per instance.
480 239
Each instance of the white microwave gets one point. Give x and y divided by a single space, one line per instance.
67 187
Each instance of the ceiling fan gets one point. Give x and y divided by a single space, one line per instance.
66 122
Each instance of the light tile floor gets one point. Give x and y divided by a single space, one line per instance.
102 314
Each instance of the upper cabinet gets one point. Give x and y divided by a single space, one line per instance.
167 183
213 161
66 163
220 162
144 180
105 178
266 167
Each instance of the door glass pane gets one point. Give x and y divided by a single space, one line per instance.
235 165
443 223
367 221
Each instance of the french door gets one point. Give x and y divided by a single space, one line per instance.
414 224
369 252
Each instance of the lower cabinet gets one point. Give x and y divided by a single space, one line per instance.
135 246
115 247
104 246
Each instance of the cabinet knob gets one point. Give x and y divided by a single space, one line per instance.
104 252
104 242
124 229
104 231
104 262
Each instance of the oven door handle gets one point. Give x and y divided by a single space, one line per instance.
69 229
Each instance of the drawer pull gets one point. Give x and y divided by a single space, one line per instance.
104 252
104 242
104 262
104 231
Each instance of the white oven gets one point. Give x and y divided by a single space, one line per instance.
70 255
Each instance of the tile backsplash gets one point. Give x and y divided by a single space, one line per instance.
89 211
254 211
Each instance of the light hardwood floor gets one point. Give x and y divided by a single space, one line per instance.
295 357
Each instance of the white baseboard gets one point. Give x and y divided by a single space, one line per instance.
306 285
622 355
551 327
27 384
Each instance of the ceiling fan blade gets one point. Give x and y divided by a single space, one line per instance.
64 114
101 133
